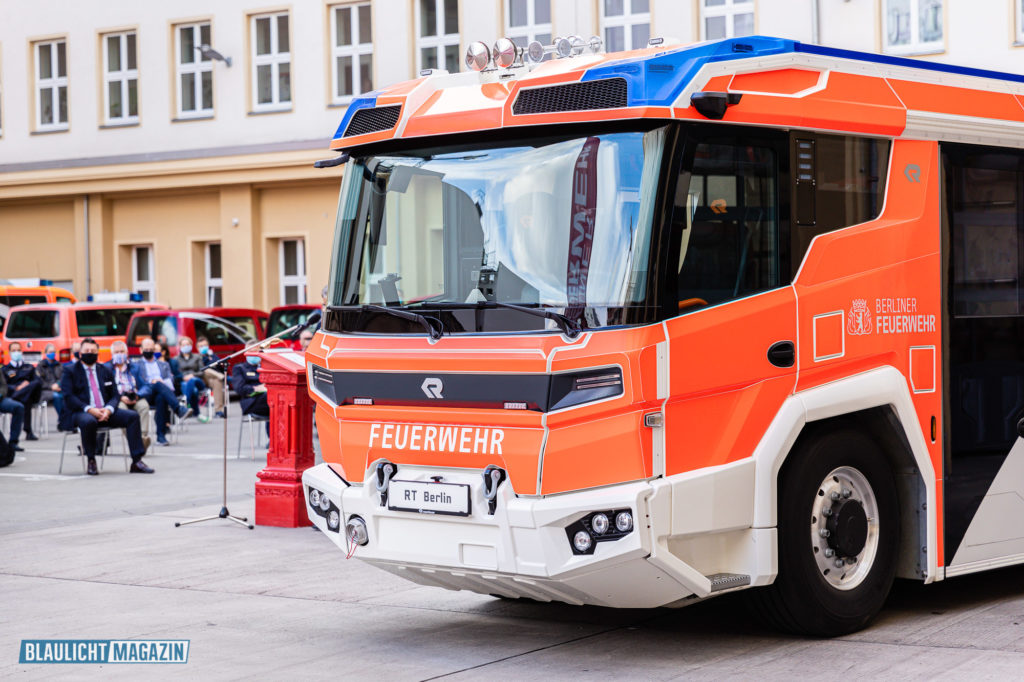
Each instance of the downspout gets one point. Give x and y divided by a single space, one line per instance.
816 22
88 268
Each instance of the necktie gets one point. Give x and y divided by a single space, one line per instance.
95 387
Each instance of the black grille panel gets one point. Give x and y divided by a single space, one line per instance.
373 120
607 93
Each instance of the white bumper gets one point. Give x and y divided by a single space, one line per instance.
522 550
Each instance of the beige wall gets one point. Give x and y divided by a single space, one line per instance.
38 240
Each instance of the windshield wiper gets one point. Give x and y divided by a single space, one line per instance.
570 327
434 332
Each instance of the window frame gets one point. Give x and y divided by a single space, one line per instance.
147 285
915 46
300 279
531 28
729 10
197 67
354 49
274 59
124 75
54 83
1018 14
626 21
438 40
213 282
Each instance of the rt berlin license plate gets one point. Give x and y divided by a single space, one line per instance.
429 498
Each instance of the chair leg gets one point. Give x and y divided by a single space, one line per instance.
124 449
252 439
63 445
103 448
241 424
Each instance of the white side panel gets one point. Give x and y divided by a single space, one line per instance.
996 532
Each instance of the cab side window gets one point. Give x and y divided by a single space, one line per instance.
730 228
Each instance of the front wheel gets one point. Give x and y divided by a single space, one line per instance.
838 535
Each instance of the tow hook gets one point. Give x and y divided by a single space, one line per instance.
385 472
493 476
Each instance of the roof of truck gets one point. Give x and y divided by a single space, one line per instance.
781 82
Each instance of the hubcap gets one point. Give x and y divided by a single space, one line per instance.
844 528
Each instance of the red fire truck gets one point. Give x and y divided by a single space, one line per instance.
644 328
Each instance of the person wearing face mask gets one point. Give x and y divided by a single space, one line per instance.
188 366
156 384
75 351
128 388
252 394
211 376
17 412
50 371
23 384
92 401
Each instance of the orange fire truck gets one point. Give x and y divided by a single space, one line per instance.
644 328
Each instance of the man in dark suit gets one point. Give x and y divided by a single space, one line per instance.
156 384
91 400
23 384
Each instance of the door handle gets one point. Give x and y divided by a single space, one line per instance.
782 354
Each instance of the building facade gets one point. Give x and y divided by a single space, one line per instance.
168 148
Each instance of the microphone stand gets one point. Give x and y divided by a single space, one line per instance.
223 365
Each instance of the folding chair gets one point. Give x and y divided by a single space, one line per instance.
41 418
252 420
103 443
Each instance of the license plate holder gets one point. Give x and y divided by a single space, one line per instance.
429 497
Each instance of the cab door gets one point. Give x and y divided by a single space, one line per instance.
732 348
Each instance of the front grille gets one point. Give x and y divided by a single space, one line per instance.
607 93
373 120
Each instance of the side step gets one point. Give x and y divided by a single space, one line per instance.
726 581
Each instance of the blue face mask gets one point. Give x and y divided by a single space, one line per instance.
157 355
120 358
51 356
253 360
186 348
205 350
15 356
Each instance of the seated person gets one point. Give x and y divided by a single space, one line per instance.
17 412
92 401
49 371
304 338
252 395
188 366
154 379
23 385
211 375
75 352
128 387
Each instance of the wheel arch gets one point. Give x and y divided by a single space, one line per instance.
877 401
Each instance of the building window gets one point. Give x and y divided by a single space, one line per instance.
143 276
1019 13
912 26
626 24
51 85
352 52
271 60
121 79
214 283
722 19
528 20
194 72
293 271
437 35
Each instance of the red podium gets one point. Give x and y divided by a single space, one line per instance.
279 498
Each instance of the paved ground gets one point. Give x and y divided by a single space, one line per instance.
99 558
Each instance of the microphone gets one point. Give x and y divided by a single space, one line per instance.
311 320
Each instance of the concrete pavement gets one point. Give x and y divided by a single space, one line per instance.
100 558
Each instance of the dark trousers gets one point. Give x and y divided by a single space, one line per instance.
28 397
126 419
17 412
191 389
163 400
257 405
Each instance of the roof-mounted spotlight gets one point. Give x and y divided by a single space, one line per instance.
535 52
506 53
478 56
563 47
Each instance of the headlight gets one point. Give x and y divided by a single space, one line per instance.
314 497
325 502
624 522
599 523
333 519
582 541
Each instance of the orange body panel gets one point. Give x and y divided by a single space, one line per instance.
944 99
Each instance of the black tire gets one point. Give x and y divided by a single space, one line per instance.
802 600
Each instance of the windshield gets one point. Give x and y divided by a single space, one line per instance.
562 224
153 327
103 321
32 324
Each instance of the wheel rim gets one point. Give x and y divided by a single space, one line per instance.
844 528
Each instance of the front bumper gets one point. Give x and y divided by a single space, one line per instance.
522 550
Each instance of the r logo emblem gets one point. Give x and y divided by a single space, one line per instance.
432 386
913 172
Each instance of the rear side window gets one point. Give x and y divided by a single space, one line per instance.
33 324
216 334
21 300
153 327
247 325
103 321
838 181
